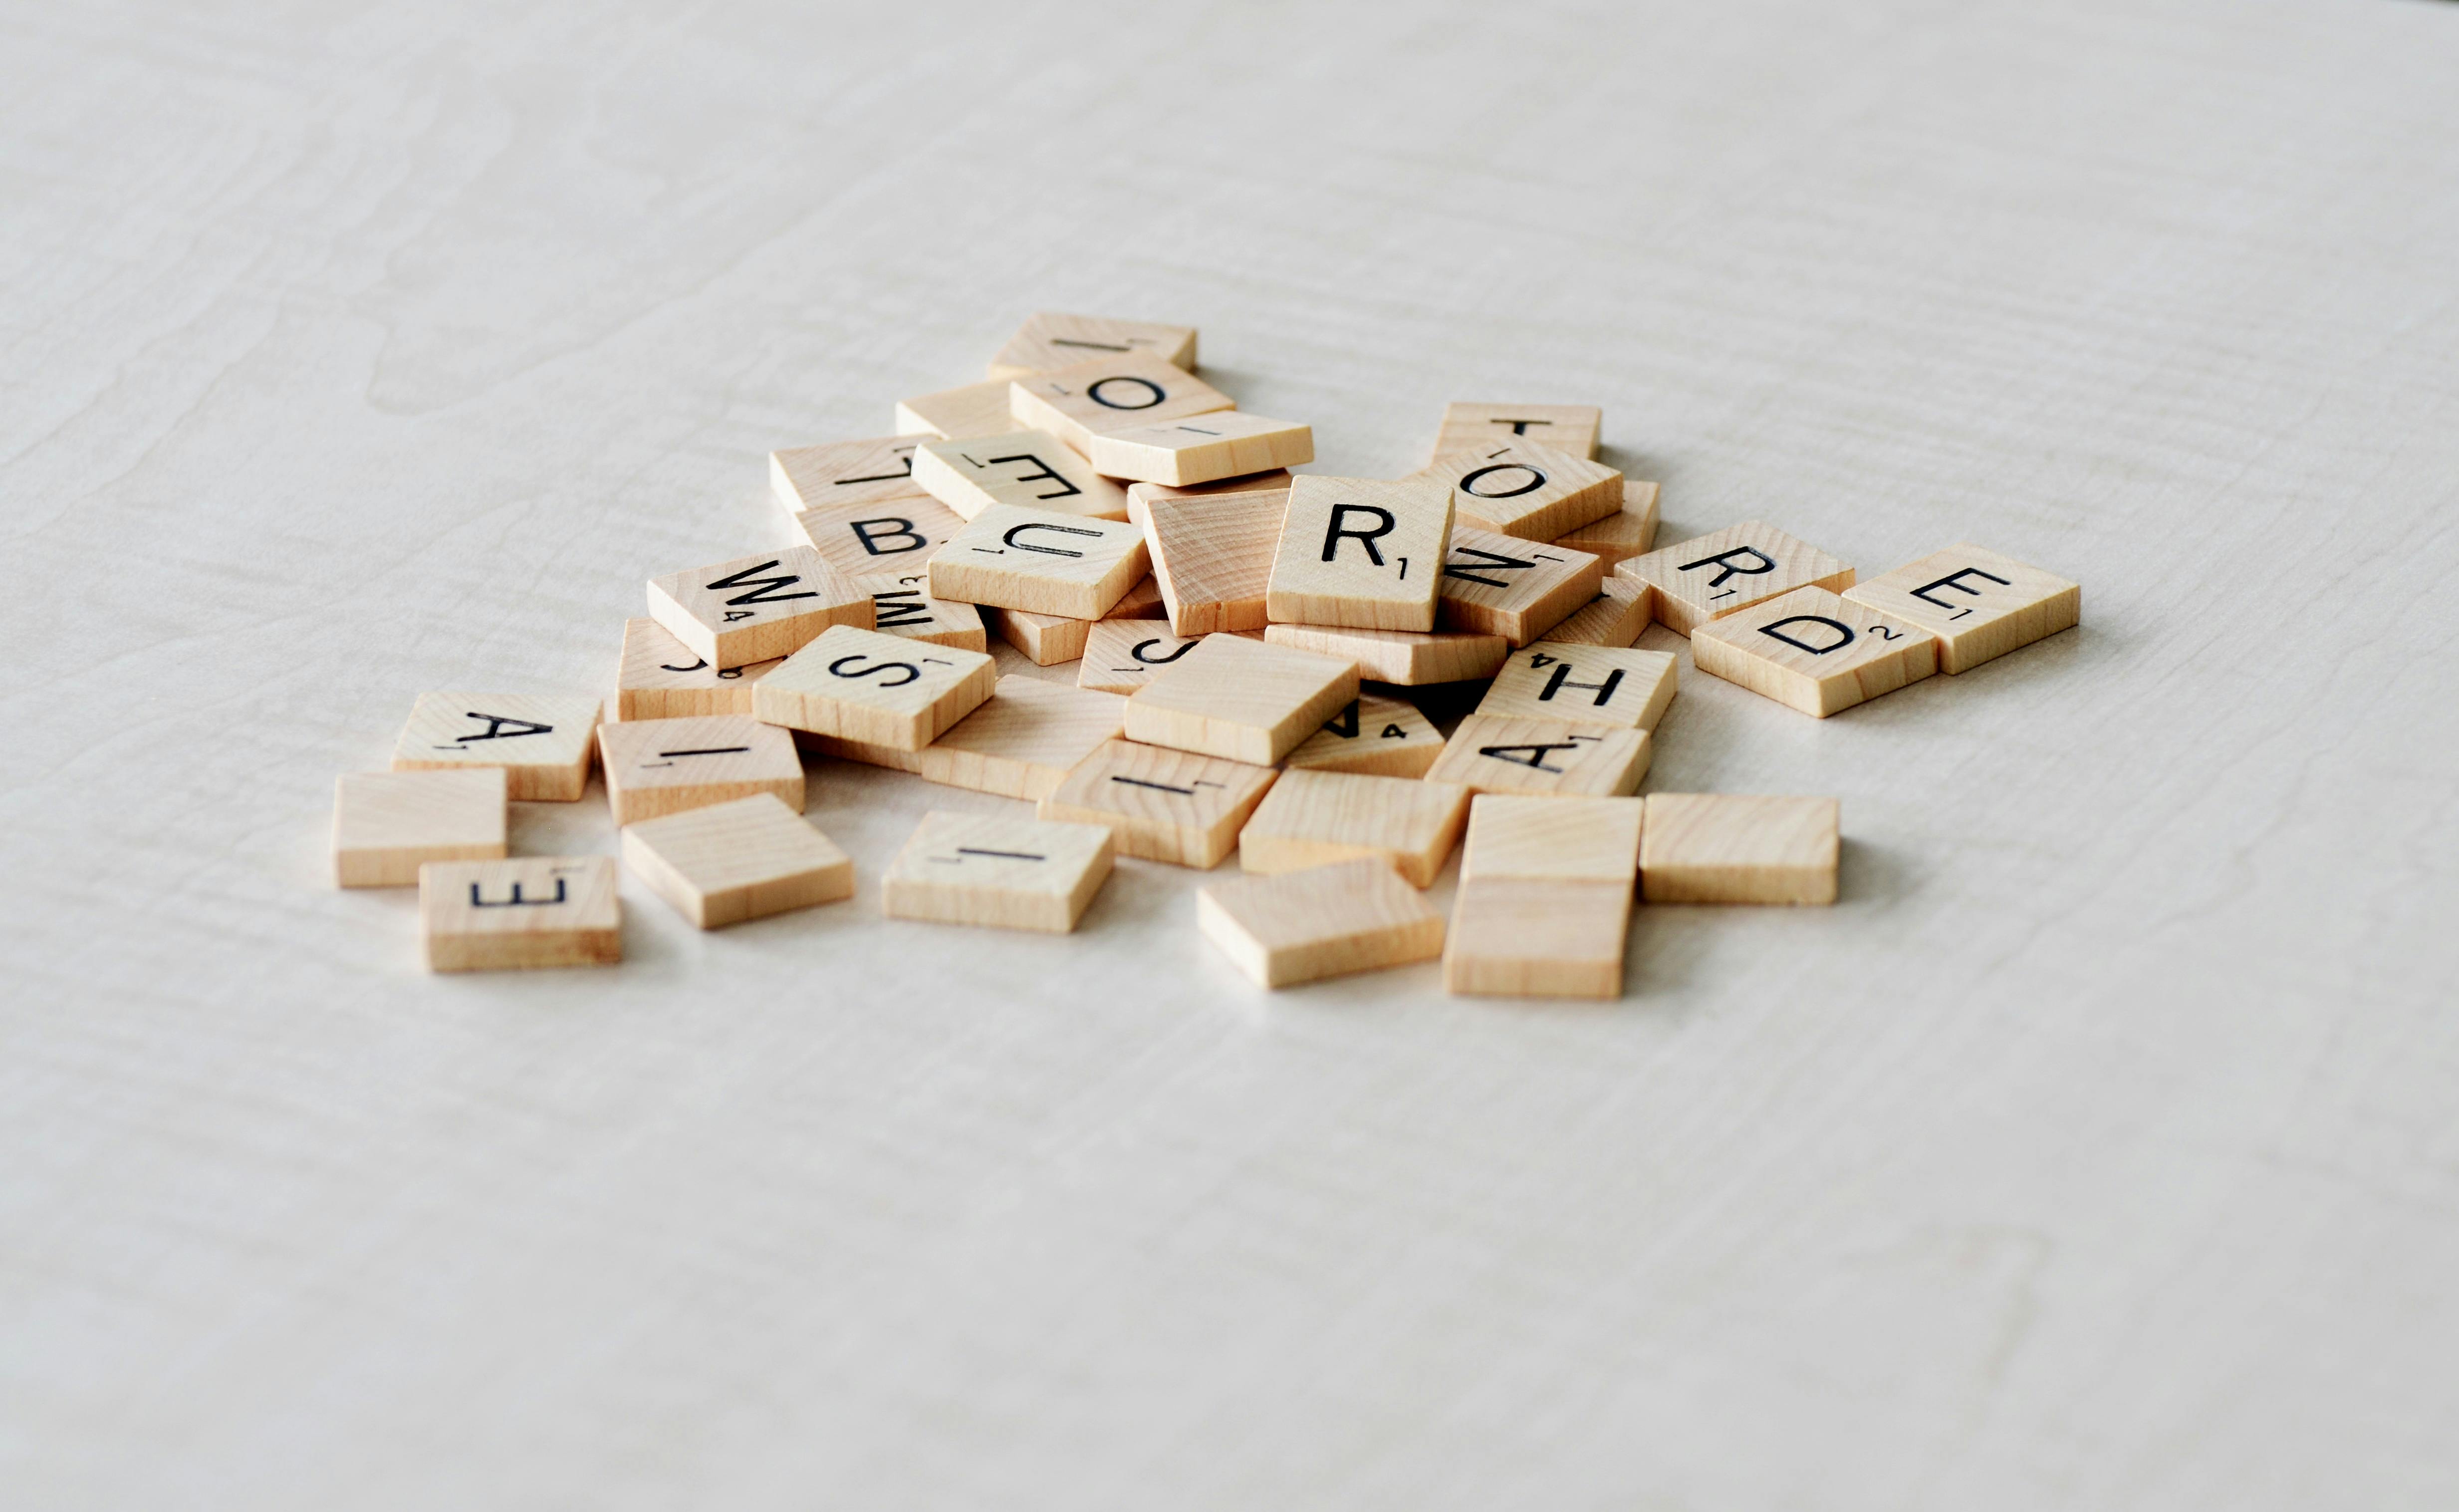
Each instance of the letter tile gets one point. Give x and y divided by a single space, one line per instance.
1212 559
1044 640
528 912
757 608
1500 585
843 473
663 766
1121 656
1110 394
1813 651
1163 804
892 535
662 678
881 689
1533 492
1240 700
737 861
955 414
1031 469
1384 736
1047 564
1404 657
542 741
1979 603
1141 495
1525 937
1621 686
1143 602
1629 532
1738 847
1614 617
1201 449
1049 339
1543 757
387 825
1554 839
1329 921
1565 428
1314 818
1002 870
1361 553
1021 744
903 605
1729 570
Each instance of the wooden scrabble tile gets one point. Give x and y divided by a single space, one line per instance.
1516 589
531 910
1738 847
662 678
1361 553
386 825
1543 757
862 686
1553 839
1532 492
844 473
1527 938
1384 736
1003 870
1617 685
1405 658
1030 468
1240 700
1629 532
952 415
1163 804
736 861
1121 656
1045 639
1614 617
1049 339
1314 818
1053 564
1021 744
1979 604
663 766
1729 570
1201 449
1141 495
1213 558
1331 921
1813 651
1143 602
1565 428
757 608
1110 394
892 535
542 741
903 605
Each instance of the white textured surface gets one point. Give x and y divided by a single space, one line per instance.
2101 1150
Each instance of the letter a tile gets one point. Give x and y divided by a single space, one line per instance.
1814 652
1042 562
663 766
1361 553
1542 758
1031 469
1163 804
532 911
1728 571
1979 604
542 741
757 608
1626 688
1331 921
998 869
863 685
1110 394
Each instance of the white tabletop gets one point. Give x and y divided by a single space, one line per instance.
2096 1149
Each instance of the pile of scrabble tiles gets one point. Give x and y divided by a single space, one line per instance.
1243 635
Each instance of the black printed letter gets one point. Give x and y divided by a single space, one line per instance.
1775 631
897 529
1332 537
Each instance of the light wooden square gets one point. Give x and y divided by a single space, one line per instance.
1121 656
1201 449
1729 570
903 605
952 415
1314 818
1031 469
1382 736
1212 559
1403 657
1110 394
1163 804
662 678
1361 553
1032 559
1543 757
1240 700
386 825
1979 603
844 473
757 608
528 912
891 536
1021 744
1738 847
1814 652
1614 617
1329 921
542 741
1050 339
1141 495
1553 839
1044 640
1002 871
882 689
1533 492
1565 428
1617 685
1143 602
737 861
663 766
1529 937
1518 590
1629 532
